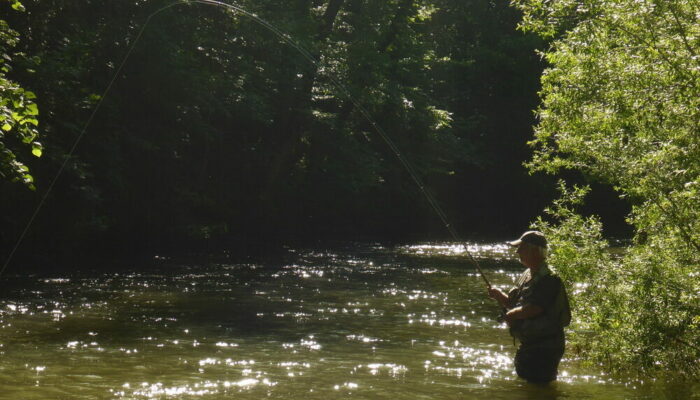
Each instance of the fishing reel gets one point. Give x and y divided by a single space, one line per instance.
502 315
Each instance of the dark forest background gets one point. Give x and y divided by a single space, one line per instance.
219 135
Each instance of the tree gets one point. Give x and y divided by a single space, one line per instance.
621 103
217 127
18 112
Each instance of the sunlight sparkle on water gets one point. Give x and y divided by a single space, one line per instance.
362 338
206 388
375 323
224 344
346 385
493 251
392 369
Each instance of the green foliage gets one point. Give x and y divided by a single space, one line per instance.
216 121
18 112
621 103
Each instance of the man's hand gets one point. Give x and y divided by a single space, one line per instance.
498 295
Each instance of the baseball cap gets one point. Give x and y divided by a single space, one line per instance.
531 237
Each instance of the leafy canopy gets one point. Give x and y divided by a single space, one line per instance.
621 103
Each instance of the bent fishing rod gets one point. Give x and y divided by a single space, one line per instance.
309 57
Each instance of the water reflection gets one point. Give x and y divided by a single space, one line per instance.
372 322
496 251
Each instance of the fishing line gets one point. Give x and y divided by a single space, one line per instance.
309 57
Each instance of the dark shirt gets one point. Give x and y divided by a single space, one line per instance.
547 291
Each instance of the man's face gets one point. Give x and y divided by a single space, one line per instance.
526 253
520 250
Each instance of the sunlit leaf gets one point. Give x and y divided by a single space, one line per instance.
37 149
32 109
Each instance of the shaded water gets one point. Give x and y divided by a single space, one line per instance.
363 322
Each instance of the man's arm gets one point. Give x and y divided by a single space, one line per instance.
523 312
543 295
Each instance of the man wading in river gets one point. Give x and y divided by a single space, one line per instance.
537 310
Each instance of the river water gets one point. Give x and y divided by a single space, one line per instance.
360 321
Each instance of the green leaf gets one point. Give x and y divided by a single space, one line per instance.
32 121
32 109
6 127
28 135
37 149
17 6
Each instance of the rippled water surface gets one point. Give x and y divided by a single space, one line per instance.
363 321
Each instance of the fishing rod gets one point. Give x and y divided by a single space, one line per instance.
309 57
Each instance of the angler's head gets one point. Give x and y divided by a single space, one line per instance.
531 248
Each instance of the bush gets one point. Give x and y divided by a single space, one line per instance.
620 103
